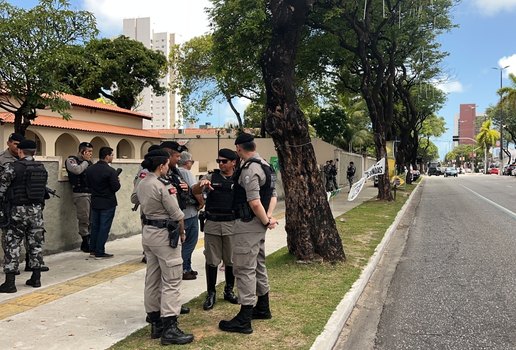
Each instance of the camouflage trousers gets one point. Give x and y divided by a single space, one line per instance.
26 222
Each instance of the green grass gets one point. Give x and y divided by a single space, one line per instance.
303 296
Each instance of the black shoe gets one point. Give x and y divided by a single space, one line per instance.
209 303
189 276
85 245
230 296
156 324
262 309
172 334
8 286
103 256
185 310
35 279
241 323
42 268
195 273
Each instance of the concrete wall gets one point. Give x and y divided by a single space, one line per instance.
60 215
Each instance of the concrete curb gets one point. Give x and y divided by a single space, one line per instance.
333 328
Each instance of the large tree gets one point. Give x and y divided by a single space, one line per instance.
32 45
310 225
118 69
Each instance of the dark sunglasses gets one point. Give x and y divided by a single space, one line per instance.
223 161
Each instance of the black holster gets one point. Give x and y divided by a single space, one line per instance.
202 220
244 212
173 233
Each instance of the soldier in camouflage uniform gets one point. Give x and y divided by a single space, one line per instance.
23 183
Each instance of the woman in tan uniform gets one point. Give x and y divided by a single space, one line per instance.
160 214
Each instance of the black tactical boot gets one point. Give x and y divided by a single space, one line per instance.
241 323
172 334
154 318
262 310
35 279
184 310
8 286
85 245
230 282
211 281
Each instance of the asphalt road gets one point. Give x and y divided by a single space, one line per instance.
448 280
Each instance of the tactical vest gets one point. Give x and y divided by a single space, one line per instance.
174 176
79 184
219 202
240 204
29 184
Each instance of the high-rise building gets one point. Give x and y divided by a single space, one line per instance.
465 124
163 109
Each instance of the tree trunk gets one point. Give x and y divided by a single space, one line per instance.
311 229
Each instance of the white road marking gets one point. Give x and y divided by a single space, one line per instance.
511 213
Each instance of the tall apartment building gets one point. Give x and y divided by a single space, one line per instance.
163 109
466 124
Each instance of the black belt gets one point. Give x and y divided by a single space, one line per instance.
156 223
220 217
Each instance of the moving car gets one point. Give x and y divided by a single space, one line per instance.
434 171
451 172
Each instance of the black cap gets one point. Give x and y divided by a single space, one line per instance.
228 154
153 147
27 144
16 137
157 153
85 145
244 138
173 145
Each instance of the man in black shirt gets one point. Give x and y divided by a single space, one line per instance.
103 182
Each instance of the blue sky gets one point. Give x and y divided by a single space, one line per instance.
484 39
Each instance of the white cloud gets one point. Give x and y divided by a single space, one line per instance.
508 61
491 7
450 86
185 18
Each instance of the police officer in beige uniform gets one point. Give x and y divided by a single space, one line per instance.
254 201
160 211
81 194
218 230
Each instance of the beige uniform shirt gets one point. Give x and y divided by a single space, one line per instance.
158 201
251 178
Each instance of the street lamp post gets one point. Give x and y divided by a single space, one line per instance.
501 69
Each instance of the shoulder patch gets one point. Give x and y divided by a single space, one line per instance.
142 175
172 190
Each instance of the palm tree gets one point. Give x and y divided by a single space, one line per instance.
487 137
508 93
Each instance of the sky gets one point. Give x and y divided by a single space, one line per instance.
484 39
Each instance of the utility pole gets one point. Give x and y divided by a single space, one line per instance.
501 69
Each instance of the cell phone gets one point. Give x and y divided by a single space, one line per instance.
119 171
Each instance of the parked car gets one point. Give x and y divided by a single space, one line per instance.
451 172
494 171
415 174
508 169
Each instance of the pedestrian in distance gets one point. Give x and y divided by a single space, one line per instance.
350 173
192 206
23 183
103 181
76 166
219 219
333 174
254 202
162 237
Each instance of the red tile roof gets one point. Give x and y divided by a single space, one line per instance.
84 102
60 123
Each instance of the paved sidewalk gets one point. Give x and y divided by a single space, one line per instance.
92 304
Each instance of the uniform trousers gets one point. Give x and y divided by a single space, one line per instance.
249 266
26 222
218 242
163 280
82 202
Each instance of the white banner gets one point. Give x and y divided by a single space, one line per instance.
377 169
356 188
